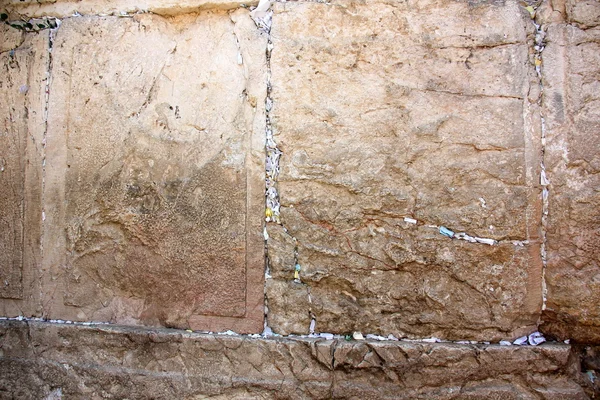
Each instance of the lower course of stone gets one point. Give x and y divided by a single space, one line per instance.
48 360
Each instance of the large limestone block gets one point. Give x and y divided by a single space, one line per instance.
154 186
24 61
385 110
38 359
67 8
571 72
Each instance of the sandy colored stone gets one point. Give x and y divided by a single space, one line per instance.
290 309
13 141
154 186
67 8
10 38
584 14
24 61
572 108
388 110
117 362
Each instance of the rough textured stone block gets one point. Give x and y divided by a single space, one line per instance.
13 141
154 186
40 359
66 8
385 110
24 60
571 72
584 14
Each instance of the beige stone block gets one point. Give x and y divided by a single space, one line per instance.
67 8
584 13
24 61
572 107
385 111
123 362
155 172
290 308
10 38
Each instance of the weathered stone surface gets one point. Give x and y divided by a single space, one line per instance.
290 311
37 359
10 38
584 14
571 72
385 110
155 165
67 8
24 61
13 141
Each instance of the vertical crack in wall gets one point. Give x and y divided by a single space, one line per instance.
538 48
263 16
272 155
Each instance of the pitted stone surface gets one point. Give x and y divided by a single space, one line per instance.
111 362
23 76
571 72
67 8
583 14
13 142
154 186
10 38
386 110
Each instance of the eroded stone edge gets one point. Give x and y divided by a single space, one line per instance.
66 8
308 368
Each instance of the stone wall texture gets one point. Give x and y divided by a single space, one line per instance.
416 170
153 172
572 117
389 110
22 111
40 360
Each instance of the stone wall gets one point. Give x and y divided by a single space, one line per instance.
571 78
151 159
387 111
40 360
410 170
